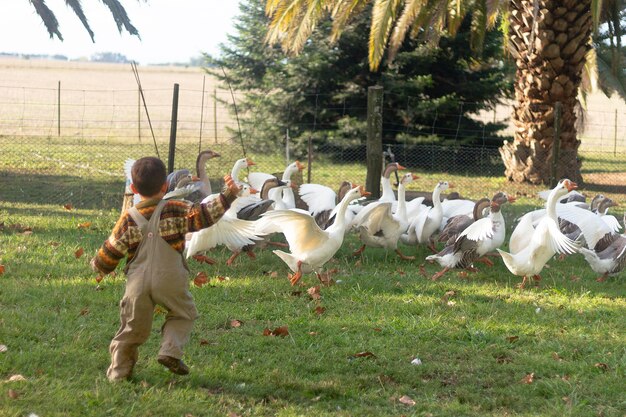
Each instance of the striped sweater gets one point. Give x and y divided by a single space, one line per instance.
177 219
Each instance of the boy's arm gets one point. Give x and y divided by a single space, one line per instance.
113 249
201 216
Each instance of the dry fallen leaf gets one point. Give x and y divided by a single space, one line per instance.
273 274
447 295
512 338
528 379
16 377
296 293
145 383
1 269
85 225
236 323
401 272
279 331
556 357
233 414
204 342
68 207
601 279
312 333
200 279
314 292
79 252
3 348
319 310
574 278
357 263
84 312
99 278
13 394
221 278
602 366
366 354
462 274
54 244
406 400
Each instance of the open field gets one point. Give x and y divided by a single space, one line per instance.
486 348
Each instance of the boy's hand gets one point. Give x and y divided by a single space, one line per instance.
231 186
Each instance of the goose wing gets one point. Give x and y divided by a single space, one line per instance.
548 235
481 229
298 226
257 179
318 197
591 226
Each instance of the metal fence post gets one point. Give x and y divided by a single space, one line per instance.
374 147
139 114
556 144
201 114
59 109
173 125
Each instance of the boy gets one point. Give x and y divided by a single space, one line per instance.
152 235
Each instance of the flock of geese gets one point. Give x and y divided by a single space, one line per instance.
314 220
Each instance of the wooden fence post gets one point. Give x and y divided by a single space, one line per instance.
59 109
374 148
173 125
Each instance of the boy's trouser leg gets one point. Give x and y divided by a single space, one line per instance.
136 321
176 330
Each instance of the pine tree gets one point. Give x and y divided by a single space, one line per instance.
321 93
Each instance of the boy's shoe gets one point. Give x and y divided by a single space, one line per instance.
176 366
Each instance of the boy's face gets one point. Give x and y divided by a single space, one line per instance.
161 193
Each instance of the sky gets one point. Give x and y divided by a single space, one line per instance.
170 30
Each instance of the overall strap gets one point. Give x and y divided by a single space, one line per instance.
137 217
153 224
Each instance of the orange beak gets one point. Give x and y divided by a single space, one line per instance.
249 162
415 177
511 199
216 155
253 190
570 185
363 192
450 185
299 166
194 178
400 167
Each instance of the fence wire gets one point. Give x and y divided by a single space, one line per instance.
68 146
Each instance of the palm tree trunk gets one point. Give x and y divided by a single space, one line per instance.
549 40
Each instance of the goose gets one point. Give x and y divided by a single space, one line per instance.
480 237
609 260
201 186
602 207
456 224
185 186
532 247
257 179
380 228
428 220
238 166
254 207
322 200
230 231
310 246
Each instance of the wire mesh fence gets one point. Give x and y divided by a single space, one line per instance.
68 146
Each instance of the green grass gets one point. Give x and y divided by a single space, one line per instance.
476 347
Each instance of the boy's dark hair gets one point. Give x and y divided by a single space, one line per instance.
148 174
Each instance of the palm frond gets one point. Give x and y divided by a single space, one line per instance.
283 17
78 10
341 13
48 17
306 24
457 9
411 10
121 17
383 17
608 82
494 9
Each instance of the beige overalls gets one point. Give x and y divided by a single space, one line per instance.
157 274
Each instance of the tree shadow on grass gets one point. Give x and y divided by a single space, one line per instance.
80 192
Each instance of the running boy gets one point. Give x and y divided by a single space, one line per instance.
152 236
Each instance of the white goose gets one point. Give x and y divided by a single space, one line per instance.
322 200
230 231
238 166
482 236
257 179
532 247
428 220
609 260
380 228
310 246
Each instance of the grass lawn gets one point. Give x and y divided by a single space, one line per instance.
486 348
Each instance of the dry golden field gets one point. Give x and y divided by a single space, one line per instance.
101 100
